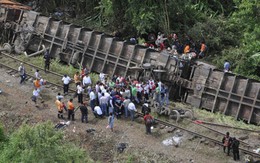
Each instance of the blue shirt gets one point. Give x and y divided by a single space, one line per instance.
226 66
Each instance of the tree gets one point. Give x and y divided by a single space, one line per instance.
40 143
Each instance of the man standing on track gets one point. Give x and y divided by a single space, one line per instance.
22 72
66 81
226 143
148 120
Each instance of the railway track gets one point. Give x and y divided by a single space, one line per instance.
200 135
256 155
35 67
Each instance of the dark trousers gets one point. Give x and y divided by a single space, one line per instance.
118 112
80 98
84 116
92 104
60 114
23 77
71 114
47 66
228 149
148 128
66 88
104 109
236 154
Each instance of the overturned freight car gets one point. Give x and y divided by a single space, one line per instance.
198 84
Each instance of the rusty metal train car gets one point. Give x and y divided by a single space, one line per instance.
199 84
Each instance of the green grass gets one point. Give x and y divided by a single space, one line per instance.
57 66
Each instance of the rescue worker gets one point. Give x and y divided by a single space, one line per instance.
71 110
226 142
84 112
148 120
77 78
59 106
37 84
235 148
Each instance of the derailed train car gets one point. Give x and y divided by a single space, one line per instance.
196 83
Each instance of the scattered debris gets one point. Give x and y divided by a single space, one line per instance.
257 150
91 130
170 129
121 147
61 125
175 140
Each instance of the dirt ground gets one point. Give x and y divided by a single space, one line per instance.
16 108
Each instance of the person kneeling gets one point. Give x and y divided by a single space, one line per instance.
97 112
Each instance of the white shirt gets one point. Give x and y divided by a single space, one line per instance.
92 95
86 80
102 76
97 88
66 80
98 110
131 106
37 75
146 88
35 93
79 89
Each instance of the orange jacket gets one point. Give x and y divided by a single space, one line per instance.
59 105
70 106
187 49
77 78
37 83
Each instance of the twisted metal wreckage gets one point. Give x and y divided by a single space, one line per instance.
195 83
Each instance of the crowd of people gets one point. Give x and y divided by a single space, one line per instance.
112 97
187 48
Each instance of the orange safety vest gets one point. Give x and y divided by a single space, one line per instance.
58 105
37 83
186 49
70 106
76 78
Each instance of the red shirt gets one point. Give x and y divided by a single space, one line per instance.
147 116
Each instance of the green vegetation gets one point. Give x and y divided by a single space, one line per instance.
40 143
57 67
222 119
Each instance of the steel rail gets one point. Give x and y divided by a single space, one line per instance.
226 126
57 85
246 144
51 72
199 135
